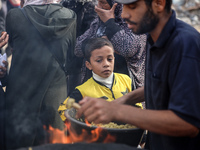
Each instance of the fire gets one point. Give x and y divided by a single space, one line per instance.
69 135
57 136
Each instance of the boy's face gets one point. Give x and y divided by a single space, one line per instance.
102 61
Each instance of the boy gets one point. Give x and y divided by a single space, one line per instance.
104 84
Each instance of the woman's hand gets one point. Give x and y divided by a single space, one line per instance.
105 15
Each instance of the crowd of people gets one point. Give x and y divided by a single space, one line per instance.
111 57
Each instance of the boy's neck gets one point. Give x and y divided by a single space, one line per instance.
105 81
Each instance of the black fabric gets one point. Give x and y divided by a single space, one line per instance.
50 32
2 20
172 80
54 53
120 64
2 119
2 113
111 28
110 2
83 146
85 15
76 94
36 83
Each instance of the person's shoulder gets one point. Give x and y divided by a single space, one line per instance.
122 76
65 8
186 31
183 36
185 41
14 14
86 84
14 11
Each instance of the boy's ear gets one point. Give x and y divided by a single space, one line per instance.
88 65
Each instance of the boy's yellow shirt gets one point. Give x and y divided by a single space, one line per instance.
122 85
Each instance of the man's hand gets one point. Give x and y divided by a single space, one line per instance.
105 15
97 110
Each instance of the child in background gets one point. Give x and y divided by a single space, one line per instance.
104 83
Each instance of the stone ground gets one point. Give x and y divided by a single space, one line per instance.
188 11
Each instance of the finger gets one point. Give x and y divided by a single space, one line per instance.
7 38
5 63
90 114
96 110
114 6
99 10
84 100
92 118
3 70
3 35
100 119
4 41
85 103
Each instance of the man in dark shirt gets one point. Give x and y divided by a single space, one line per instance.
172 80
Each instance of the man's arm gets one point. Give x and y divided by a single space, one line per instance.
132 97
164 122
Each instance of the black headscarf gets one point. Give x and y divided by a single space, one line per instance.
110 2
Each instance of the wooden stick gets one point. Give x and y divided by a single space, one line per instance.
71 103
76 105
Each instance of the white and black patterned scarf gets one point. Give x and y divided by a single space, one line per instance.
40 2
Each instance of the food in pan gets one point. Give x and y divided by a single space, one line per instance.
110 125
115 125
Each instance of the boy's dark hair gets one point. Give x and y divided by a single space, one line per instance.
167 6
94 43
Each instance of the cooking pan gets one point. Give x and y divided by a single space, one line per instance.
129 136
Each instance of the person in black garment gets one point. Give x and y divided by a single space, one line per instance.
3 79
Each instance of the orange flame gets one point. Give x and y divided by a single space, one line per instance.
58 136
69 136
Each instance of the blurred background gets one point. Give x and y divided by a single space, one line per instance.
188 11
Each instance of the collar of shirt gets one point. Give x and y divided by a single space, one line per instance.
165 34
105 81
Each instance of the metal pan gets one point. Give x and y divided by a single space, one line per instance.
130 137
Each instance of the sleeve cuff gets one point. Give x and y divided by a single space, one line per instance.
111 28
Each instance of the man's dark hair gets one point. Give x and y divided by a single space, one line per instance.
167 6
94 43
